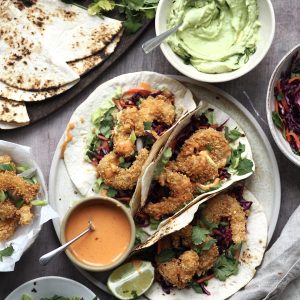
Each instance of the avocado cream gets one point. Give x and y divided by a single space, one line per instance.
216 36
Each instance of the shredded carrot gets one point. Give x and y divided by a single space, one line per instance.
276 106
285 105
296 138
205 278
145 86
143 92
294 79
278 86
287 136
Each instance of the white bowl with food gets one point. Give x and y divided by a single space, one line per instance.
217 41
283 105
50 286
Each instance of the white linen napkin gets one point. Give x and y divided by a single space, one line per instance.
281 265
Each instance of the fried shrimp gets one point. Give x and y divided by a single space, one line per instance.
25 215
181 191
180 271
225 206
7 228
207 259
120 178
17 186
182 237
127 119
209 140
155 109
7 210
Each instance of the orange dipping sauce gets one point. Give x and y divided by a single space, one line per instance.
108 242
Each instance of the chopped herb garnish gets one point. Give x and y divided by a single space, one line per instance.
132 137
165 255
277 119
240 165
8 251
225 267
211 116
111 192
154 223
39 202
19 203
207 245
147 125
163 161
97 185
245 166
196 287
209 147
199 235
140 235
3 196
232 135
123 164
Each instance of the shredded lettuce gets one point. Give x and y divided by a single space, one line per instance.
98 115
163 161
7 167
39 202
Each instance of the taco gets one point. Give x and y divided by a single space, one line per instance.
206 153
216 251
119 130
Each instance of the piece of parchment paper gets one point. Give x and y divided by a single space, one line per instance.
26 234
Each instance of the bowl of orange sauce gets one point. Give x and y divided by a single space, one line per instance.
109 244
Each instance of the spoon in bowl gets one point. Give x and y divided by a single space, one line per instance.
46 258
156 41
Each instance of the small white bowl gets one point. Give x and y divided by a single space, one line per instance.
281 142
266 35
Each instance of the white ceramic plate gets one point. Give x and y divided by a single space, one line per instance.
264 184
266 35
50 286
281 142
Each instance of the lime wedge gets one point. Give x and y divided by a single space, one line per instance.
131 280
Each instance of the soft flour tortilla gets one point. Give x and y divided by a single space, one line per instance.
13 112
69 30
82 173
147 178
80 66
84 65
25 62
250 258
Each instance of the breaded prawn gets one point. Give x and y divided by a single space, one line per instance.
225 206
180 271
207 259
181 191
25 215
120 178
18 186
7 210
8 228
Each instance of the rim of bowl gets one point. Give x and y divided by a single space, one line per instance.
125 254
228 75
284 147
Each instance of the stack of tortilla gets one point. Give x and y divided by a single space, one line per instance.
44 49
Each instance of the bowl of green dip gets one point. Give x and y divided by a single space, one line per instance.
219 40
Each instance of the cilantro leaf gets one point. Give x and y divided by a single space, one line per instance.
140 235
225 267
99 6
132 25
199 235
245 166
19 203
124 164
147 125
196 287
8 251
232 135
111 192
277 120
163 161
165 255
207 245
132 137
154 223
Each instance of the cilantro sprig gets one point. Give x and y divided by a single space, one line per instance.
8 251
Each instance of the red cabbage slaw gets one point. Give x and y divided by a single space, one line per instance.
286 114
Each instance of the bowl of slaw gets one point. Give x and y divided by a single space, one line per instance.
283 105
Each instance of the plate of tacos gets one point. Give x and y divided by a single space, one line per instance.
193 167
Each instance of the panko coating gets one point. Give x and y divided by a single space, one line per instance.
5 159
25 215
18 186
209 140
180 271
182 237
8 228
119 178
181 191
225 206
207 259
7 210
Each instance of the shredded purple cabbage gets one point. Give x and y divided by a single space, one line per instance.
223 174
238 191
223 235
